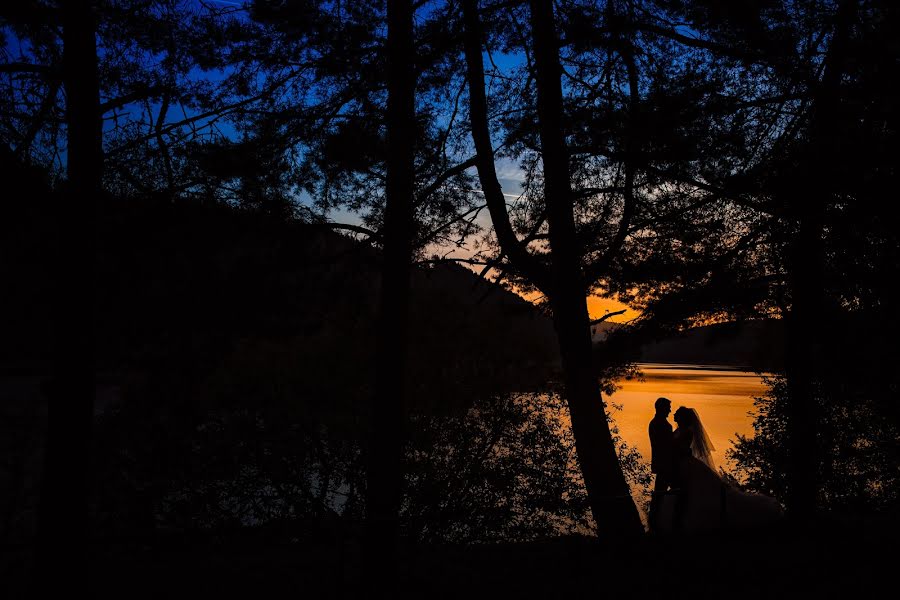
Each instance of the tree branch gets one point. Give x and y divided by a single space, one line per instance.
475 210
21 67
39 120
493 192
215 113
593 271
134 96
730 51
440 179
609 315
374 235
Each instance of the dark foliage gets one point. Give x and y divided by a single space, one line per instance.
502 471
234 331
858 470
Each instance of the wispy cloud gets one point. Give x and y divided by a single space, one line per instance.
507 169
504 193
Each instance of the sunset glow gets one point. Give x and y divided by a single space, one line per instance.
597 307
723 397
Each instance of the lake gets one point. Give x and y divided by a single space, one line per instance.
722 396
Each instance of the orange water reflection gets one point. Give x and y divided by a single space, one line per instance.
722 396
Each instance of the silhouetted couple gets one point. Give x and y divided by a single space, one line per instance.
689 495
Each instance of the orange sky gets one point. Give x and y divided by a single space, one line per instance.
597 307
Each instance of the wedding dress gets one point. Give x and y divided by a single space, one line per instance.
703 501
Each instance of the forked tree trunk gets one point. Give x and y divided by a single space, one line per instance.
610 498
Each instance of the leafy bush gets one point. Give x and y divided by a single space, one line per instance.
856 448
505 470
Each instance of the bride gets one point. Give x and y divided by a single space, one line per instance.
703 500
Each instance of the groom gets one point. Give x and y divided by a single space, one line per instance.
661 460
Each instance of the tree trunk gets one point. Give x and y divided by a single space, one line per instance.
803 321
388 411
807 278
614 510
63 524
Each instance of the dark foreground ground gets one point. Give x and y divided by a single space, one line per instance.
835 559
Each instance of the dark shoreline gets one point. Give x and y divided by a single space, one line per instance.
837 557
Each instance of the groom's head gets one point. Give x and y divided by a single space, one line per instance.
663 406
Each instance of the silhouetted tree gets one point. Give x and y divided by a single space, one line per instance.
727 168
384 477
614 145
814 63
611 504
155 106
855 474
64 496
349 129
